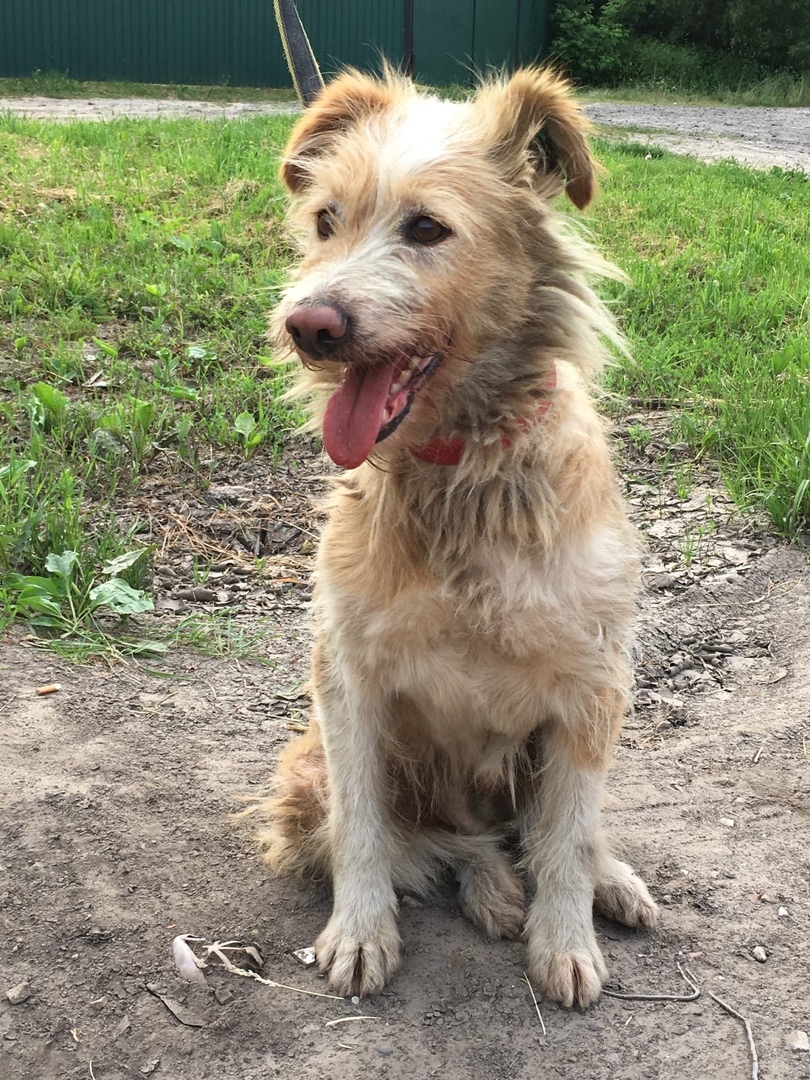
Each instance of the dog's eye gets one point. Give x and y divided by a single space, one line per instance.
326 224
427 230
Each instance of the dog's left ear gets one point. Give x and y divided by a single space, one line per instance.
532 122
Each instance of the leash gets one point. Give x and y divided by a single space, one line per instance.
306 75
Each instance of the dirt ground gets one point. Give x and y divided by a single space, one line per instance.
115 833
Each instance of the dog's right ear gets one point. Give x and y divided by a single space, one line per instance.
344 102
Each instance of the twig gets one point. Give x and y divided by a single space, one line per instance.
6 704
349 1020
280 986
687 977
748 1031
534 999
90 1067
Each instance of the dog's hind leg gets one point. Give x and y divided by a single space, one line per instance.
490 892
620 893
295 839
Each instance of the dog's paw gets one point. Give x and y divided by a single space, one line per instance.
358 965
572 978
623 896
491 896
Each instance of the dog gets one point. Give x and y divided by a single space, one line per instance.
477 576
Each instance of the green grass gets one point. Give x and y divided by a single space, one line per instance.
656 88
719 313
138 261
778 91
55 84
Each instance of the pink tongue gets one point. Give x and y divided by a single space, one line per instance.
354 413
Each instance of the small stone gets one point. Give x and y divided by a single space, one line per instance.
355 1000
783 913
224 995
798 1040
305 956
123 1026
98 1004
759 954
766 898
728 822
19 993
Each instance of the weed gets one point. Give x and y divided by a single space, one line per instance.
695 542
219 634
639 435
683 480
70 598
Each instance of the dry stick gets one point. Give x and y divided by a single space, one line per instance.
687 977
534 999
349 1020
748 1031
280 986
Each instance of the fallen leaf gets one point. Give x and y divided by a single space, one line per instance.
188 1017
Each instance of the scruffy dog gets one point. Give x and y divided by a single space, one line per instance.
477 576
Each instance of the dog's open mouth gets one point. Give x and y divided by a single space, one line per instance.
370 403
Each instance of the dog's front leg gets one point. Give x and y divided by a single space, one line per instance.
561 836
359 949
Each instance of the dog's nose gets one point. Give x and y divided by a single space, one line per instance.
319 329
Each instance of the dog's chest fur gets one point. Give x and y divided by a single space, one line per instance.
471 664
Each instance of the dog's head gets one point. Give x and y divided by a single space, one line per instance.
426 233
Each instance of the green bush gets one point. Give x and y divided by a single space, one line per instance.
689 45
592 46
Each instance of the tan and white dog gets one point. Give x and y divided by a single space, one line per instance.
477 576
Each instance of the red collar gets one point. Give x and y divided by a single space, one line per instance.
450 451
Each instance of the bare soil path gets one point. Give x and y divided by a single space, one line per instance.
115 795
758 137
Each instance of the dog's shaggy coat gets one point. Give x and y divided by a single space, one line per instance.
473 620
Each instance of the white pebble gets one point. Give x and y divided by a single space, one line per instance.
759 954
783 913
728 822
798 1040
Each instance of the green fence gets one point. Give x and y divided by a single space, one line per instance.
236 41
